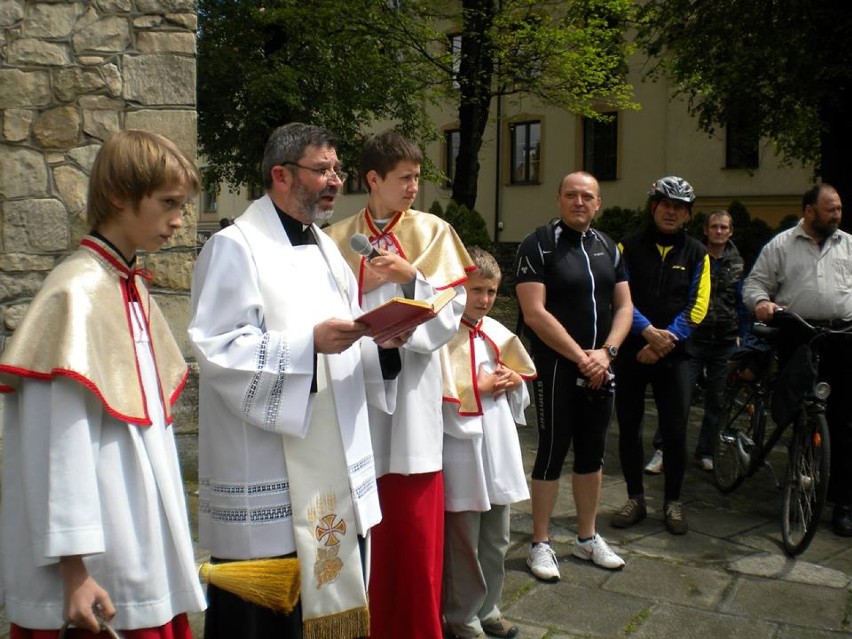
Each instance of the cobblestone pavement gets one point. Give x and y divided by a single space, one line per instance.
727 578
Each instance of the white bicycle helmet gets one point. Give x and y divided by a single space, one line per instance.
673 187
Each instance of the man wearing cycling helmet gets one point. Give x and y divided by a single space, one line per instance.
669 275
808 270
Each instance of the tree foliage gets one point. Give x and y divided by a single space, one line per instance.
565 53
342 64
785 64
347 64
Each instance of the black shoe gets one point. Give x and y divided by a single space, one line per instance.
841 522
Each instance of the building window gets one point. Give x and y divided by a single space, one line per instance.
600 147
742 139
452 140
525 152
209 196
455 43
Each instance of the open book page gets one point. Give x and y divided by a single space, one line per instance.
399 315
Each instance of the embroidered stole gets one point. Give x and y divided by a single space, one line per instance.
326 520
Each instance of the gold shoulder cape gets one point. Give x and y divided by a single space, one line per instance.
460 386
79 326
425 240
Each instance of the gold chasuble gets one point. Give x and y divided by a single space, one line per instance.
79 326
424 236
458 365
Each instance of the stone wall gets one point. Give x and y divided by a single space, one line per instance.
71 73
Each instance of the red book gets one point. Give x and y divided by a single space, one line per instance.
399 315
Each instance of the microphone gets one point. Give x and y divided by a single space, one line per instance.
360 243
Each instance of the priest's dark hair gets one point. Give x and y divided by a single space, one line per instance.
383 151
287 144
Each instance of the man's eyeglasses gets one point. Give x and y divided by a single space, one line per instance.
326 173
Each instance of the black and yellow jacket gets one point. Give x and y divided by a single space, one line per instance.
669 277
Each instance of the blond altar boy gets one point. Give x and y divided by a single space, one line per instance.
485 366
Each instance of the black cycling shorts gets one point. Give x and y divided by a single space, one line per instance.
568 412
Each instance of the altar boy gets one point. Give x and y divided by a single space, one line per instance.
484 368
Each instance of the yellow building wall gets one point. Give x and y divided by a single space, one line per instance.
657 140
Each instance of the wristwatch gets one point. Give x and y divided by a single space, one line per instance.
611 350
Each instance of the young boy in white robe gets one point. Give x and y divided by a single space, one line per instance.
484 368
93 521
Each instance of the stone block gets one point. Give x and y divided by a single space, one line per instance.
13 315
33 226
16 124
84 156
26 89
17 286
23 262
51 20
172 269
185 20
11 12
74 81
159 79
32 51
165 42
110 34
72 185
166 6
100 123
23 173
178 125
58 128
176 311
115 6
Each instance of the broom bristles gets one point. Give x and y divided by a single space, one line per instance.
271 583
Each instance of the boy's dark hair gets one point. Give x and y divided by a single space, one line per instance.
382 152
287 144
486 265
130 166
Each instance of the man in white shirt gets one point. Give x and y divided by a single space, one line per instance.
808 270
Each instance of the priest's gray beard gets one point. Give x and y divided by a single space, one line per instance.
310 202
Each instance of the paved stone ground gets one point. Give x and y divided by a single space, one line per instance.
727 578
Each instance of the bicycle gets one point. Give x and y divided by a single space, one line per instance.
794 396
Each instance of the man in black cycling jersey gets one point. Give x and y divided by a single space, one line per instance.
669 274
574 297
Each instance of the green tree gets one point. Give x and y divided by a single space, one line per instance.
784 64
565 53
342 64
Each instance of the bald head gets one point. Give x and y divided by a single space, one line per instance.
579 199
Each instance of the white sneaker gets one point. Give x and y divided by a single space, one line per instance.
706 464
599 552
542 562
655 465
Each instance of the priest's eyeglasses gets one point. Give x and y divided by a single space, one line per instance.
326 173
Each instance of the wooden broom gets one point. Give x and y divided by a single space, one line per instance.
271 583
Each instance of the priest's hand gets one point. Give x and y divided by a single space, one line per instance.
85 600
387 267
336 335
399 341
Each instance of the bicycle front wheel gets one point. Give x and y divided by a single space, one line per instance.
733 445
806 484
